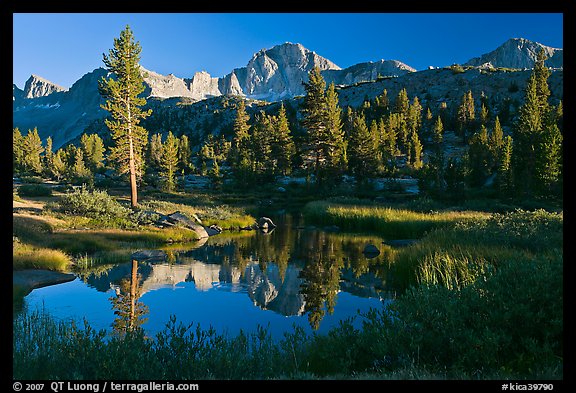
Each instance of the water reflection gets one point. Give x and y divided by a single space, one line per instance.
129 310
289 271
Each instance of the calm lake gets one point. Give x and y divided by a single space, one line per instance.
294 275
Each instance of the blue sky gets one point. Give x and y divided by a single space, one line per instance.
62 47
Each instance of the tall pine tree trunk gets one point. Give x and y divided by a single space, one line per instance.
133 186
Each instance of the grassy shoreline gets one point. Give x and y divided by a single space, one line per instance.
394 223
483 300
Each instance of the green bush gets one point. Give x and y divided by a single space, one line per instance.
34 190
94 204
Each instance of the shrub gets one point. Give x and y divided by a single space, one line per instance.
456 69
95 204
34 190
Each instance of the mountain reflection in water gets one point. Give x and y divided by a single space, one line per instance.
293 272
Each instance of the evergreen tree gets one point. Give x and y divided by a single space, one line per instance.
438 132
93 150
334 145
241 160
495 143
479 157
215 175
547 166
402 104
537 155
283 148
415 116
322 120
48 157
415 151
387 144
400 120
184 154
122 92
541 73
363 149
58 168
32 146
169 163
505 181
261 146
155 151
434 171
18 150
483 115
466 115
79 172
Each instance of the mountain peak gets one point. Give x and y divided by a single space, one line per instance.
36 86
519 53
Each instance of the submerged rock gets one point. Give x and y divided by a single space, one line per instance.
371 251
157 255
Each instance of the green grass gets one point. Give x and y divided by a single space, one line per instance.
25 256
385 221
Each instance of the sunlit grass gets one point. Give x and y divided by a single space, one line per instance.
25 256
385 221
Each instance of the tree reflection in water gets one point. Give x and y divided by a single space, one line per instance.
130 312
321 279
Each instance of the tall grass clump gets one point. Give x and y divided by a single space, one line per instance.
25 256
455 256
385 221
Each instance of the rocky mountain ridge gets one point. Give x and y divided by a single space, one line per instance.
271 75
518 53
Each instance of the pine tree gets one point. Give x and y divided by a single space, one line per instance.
334 146
93 149
541 73
495 144
415 151
169 163
79 172
483 115
363 149
537 155
415 116
283 148
261 146
438 131
58 169
505 181
479 157
155 151
32 160
547 166
466 115
48 157
387 144
184 154
18 150
402 104
122 92
241 160
322 121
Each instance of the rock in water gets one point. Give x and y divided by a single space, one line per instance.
181 219
156 255
371 251
265 223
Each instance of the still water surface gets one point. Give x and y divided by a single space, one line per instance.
294 275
